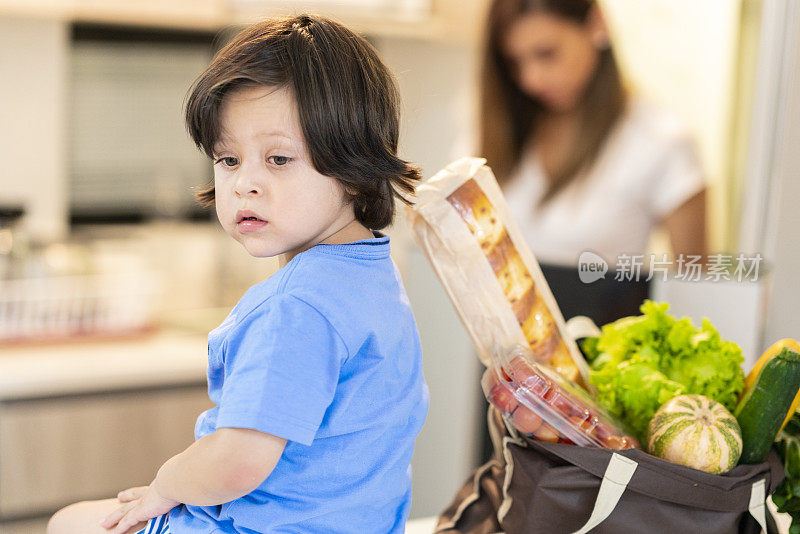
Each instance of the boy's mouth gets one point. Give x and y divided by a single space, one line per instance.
248 221
250 225
243 215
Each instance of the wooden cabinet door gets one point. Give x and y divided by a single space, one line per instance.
61 450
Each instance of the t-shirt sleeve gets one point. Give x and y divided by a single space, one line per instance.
282 366
679 178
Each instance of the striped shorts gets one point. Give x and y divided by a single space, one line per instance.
157 525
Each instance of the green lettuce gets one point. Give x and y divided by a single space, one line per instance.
638 363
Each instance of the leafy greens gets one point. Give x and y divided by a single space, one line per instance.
787 494
640 362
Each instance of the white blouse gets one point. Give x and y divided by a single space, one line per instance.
647 168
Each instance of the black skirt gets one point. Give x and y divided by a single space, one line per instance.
603 301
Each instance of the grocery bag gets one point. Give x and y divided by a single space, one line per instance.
552 488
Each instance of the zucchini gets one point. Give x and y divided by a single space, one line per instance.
770 353
764 405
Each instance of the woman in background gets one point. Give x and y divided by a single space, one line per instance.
584 165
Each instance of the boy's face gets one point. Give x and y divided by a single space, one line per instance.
268 195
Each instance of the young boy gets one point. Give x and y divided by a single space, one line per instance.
316 373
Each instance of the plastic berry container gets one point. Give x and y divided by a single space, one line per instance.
543 406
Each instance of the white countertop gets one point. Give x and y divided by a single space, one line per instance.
424 525
159 359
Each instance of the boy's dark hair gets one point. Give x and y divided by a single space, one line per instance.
346 99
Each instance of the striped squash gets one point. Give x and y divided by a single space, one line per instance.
695 431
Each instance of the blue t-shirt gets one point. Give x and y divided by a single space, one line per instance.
325 353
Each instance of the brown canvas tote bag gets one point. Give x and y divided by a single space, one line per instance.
535 487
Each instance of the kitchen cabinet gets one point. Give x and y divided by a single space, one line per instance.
61 450
85 420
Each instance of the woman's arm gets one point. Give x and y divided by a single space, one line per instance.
219 467
686 226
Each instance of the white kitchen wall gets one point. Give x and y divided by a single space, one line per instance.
33 63
683 54
429 75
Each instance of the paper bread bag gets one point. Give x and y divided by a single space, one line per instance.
461 221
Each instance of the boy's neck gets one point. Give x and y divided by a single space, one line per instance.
354 231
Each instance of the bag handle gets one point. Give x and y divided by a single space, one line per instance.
758 503
618 473
581 326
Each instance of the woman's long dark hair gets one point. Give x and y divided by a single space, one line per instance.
508 116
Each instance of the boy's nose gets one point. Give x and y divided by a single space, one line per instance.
244 191
247 184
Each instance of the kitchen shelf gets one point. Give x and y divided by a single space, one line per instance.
449 20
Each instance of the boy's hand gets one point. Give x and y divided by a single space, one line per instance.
131 494
134 510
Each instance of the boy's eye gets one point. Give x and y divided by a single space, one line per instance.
228 161
279 160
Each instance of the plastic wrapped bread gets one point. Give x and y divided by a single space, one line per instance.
461 221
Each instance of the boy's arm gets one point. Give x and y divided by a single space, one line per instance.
220 467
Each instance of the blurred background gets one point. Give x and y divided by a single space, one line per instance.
111 277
